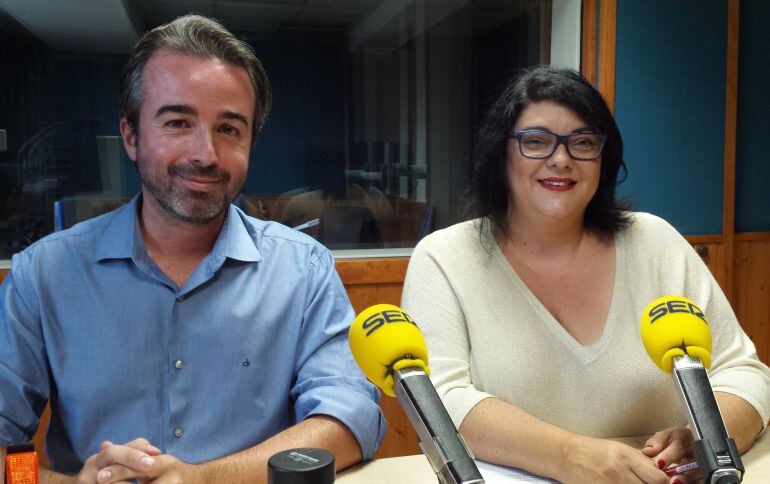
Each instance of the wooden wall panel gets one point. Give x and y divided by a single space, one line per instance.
712 250
380 281
731 122
39 438
607 49
752 289
588 41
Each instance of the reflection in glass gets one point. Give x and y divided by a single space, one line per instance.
367 146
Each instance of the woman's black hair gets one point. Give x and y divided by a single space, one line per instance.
487 196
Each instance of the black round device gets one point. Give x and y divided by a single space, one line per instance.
301 466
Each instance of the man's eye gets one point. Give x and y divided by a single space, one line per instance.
230 130
177 123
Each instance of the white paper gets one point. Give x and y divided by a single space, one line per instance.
494 474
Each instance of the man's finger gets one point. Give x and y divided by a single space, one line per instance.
116 474
144 445
124 455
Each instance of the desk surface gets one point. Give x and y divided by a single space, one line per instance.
414 469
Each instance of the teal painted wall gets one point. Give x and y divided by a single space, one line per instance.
669 105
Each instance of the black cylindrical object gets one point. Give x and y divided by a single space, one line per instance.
301 466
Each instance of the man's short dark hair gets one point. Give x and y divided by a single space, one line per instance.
488 192
200 37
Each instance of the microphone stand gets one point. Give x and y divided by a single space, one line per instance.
440 441
719 461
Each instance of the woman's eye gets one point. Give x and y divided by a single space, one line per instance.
534 141
584 142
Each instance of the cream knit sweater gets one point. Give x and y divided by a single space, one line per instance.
489 336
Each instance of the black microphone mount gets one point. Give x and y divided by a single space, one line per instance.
719 461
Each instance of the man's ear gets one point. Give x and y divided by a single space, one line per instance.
130 137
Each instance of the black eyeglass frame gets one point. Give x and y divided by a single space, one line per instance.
560 139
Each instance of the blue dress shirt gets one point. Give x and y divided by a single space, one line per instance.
254 342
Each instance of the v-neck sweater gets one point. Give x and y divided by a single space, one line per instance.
489 336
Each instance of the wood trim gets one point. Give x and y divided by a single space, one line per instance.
731 119
703 239
588 41
372 271
607 45
752 236
546 12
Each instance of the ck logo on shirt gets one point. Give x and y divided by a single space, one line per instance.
246 363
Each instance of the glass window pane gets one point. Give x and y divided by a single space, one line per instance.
369 139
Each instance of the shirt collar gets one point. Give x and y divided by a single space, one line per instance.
235 241
117 239
122 238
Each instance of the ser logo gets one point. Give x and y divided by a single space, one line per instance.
376 320
675 307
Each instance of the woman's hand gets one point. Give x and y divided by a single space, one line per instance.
672 446
599 460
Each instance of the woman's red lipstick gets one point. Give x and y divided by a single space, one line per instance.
557 184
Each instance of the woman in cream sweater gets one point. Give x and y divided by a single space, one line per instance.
531 310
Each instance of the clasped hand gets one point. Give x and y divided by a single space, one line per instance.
673 446
137 459
599 460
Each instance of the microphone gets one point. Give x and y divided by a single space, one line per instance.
677 337
391 352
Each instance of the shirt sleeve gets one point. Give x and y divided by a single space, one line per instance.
430 299
328 381
735 366
24 384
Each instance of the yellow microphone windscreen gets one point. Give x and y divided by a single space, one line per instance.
672 326
385 338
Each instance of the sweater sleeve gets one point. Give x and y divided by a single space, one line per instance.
431 299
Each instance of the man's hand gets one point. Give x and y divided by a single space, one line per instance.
166 469
127 461
607 461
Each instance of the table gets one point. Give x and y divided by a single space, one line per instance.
414 469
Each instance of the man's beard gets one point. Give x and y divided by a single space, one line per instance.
181 203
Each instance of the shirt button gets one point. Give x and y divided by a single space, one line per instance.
179 364
178 432
181 298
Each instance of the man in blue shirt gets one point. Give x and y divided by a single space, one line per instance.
178 339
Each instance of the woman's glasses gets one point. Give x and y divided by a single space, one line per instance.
538 144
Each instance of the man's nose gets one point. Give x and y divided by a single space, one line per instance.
203 150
